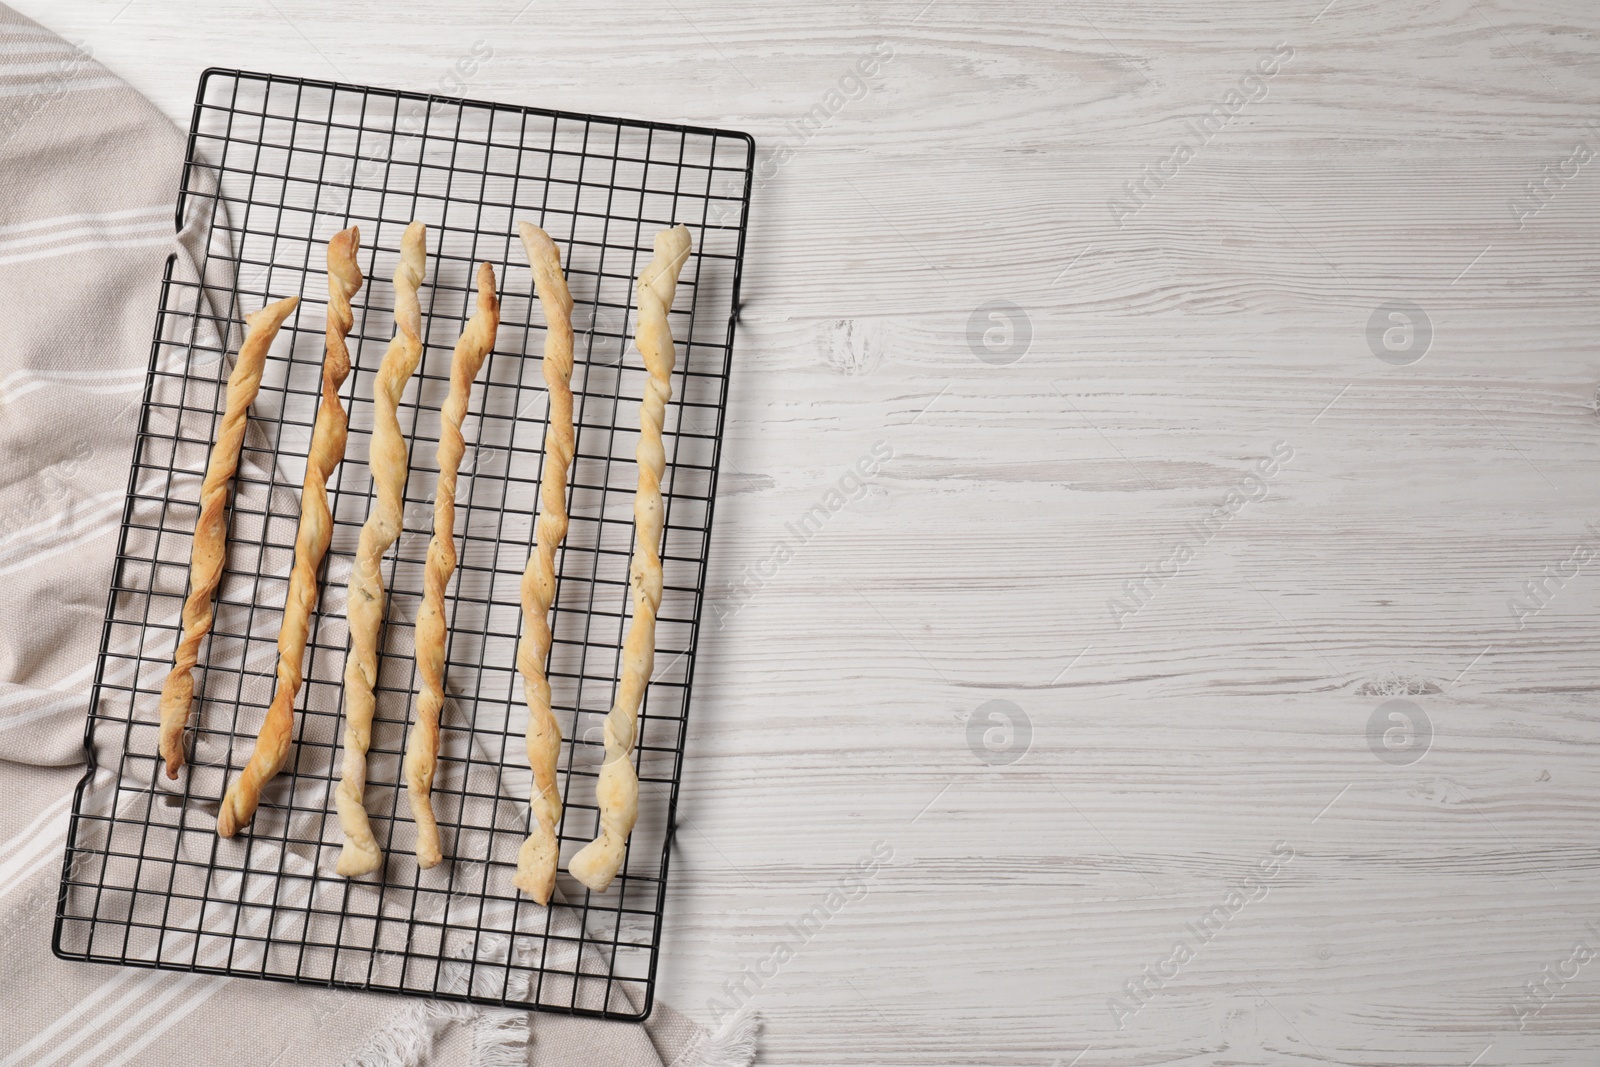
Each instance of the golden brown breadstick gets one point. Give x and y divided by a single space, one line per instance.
310 543
422 745
211 530
617 791
536 862
388 461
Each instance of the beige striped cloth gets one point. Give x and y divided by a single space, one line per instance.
88 179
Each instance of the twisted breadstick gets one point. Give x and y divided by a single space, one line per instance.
617 791
211 530
422 746
536 862
388 461
310 544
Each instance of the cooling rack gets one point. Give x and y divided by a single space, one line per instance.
274 167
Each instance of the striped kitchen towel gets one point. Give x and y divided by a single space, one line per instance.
89 171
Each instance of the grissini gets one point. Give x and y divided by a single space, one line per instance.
617 790
211 530
389 462
328 436
422 744
538 857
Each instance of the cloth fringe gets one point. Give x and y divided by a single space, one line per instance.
733 1045
407 1041
500 1038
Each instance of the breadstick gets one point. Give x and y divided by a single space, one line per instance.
536 862
422 745
389 462
211 530
617 790
310 543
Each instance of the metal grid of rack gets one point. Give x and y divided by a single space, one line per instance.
276 166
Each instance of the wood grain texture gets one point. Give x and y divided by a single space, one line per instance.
835 688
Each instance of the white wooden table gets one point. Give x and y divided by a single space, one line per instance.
1205 835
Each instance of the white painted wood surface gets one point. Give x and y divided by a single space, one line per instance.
1170 756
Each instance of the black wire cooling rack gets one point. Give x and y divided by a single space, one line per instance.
275 167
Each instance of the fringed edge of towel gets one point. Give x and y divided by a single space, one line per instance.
408 1040
733 1045
500 1038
